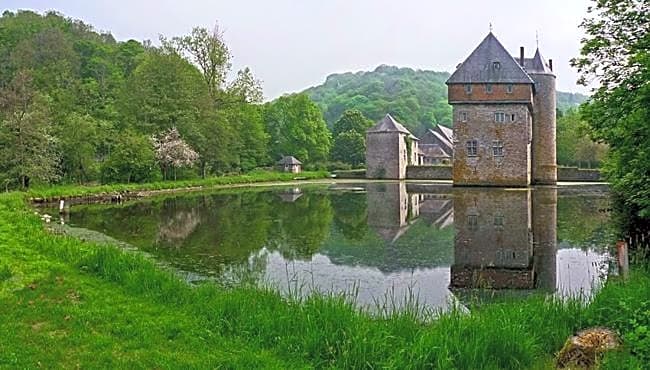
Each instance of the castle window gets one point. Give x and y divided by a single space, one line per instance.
496 65
488 88
472 222
509 88
497 148
511 117
468 88
462 116
498 221
499 117
472 148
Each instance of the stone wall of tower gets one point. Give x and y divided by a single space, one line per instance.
486 169
544 165
386 155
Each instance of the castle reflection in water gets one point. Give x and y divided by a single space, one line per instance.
376 238
503 238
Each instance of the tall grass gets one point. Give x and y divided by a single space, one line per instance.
318 331
5 272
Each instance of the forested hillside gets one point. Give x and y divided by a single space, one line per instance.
78 106
418 98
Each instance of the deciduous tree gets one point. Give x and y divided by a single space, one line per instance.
296 127
616 54
172 152
27 148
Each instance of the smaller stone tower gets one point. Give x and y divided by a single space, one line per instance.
543 146
388 150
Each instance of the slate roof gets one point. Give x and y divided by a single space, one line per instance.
388 124
481 66
439 135
289 160
536 64
434 151
446 131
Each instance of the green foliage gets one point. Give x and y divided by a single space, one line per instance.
616 52
350 137
349 147
208 51
27 149
351 120
566 101
80 141
161 94
95 91
131 160
414 97
574 146
297 128
624 306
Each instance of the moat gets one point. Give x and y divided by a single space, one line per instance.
384 242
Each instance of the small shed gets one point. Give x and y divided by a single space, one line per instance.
290 164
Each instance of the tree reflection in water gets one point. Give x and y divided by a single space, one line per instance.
434 240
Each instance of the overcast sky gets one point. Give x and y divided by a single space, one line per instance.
293 44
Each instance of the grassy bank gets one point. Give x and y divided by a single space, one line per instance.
249 178
68 303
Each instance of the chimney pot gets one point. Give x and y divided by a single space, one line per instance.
521 55
550 64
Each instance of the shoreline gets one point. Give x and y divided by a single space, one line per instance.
125 192
64 299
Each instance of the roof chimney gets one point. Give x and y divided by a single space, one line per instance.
521 55
550 64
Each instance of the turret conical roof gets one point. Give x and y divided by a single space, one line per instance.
537 64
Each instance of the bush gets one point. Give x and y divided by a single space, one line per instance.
131 160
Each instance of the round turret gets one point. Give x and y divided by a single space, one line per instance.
544 167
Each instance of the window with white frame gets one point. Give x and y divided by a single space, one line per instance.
468 88
462 116
497 148
472 148
499 117
472 222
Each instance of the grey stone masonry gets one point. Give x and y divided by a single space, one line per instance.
502 149
387 154
544 124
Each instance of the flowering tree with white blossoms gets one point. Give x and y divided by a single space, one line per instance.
172 152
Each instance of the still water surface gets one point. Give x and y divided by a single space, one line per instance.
387 242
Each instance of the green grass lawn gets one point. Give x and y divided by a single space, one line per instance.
47 192
69 303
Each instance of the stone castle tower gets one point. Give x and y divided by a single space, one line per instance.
390 147
504 118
